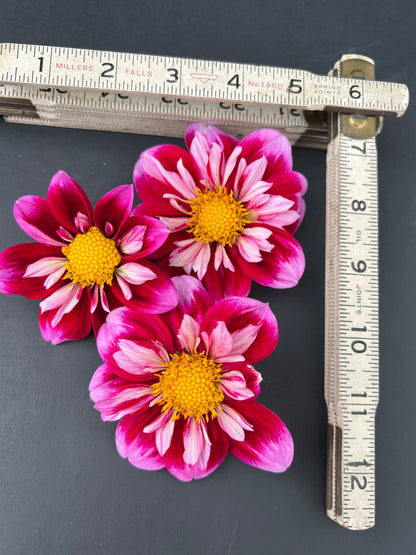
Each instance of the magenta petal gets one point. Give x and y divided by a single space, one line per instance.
67 200
271 144
156 208
149 187
114 208
282 267
174 455
13 264
269 446
193 301
211 135
291 185
155 296
288 184
115 397
124 323
239 312
135 445
225 283
155 234
35 218
72 326
251 376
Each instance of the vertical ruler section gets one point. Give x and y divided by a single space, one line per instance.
351 357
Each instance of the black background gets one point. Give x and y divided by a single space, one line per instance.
63 487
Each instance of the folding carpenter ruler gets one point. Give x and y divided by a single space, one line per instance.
342 112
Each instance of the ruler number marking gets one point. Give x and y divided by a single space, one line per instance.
363 149
359 346
173 74
360 267
356 480
358 205
234 81
294 87
354 92
107 72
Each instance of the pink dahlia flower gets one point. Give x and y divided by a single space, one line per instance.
231 207
86 261
184 387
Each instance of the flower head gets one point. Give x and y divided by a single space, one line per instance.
184 387
86 261
231 208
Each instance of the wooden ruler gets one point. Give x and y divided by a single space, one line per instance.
351 353
68 87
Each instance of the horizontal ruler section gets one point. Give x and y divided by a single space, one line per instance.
187 78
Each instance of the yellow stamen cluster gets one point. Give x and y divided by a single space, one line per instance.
190 386
92 258
216 216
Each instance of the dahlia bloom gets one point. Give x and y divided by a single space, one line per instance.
86 261
231 208
184 387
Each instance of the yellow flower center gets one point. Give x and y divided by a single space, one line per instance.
190 386
91 258
216 216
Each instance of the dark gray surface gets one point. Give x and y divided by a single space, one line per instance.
63 487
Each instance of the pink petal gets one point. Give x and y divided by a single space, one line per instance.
156 172
237 313
154 296
124 288
271 144
74 325
114 208
233 385
218 342
193 302
174 456
251 244
59 297
291 185
231 164
45 266
163 436
14 262
95 297
158 240
191 255
244 338
66 199
194 439
248 194
280 268
135 445
250 377
82 222
135 273
144 355
222 259
188 334
233 424
124 323
269 446
132 241
35 218
67 306
206 136
115 397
